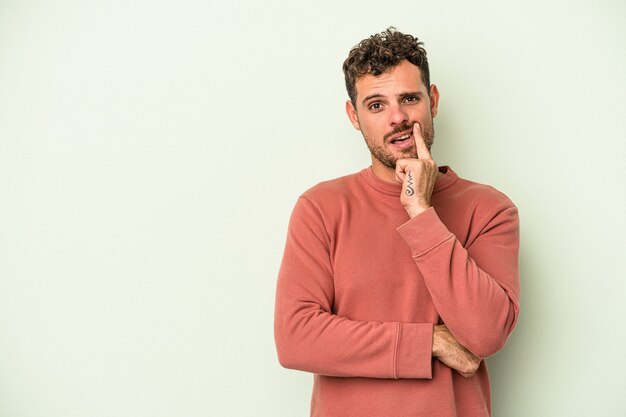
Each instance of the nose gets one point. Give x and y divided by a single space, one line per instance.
397 115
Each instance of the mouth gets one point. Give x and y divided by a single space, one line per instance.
402 140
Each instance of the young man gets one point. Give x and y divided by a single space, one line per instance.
397 280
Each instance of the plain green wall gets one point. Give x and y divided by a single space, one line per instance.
151 152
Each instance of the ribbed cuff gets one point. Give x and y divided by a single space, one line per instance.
424 232
414 351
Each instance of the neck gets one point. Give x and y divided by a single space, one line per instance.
383 172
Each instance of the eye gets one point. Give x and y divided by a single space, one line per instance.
375 107
411 99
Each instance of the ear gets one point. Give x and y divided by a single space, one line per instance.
352 115
434 100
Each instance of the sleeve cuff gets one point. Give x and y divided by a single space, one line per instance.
424 232
414 351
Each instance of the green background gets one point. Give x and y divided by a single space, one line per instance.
151 152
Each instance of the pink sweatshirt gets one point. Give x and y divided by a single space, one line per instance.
361 286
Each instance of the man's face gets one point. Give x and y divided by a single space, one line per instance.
387 106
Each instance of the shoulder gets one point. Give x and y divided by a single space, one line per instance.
321 206
332 190
327 201
481 195
452 188
475 205
471 209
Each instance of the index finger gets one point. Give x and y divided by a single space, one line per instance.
420 144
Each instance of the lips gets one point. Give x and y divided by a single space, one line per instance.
402 140
400 136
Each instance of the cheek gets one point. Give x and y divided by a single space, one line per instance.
370 128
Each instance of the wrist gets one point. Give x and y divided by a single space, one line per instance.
436 341
416 210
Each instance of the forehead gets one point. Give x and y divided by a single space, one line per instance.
402 78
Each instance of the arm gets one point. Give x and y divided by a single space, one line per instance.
311 338
475 289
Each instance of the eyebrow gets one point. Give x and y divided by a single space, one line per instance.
415 93
371 97
403 95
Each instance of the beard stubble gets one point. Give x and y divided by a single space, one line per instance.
387 157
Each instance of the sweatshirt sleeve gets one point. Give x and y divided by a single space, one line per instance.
475 289
309 337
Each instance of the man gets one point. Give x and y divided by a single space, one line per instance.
397 280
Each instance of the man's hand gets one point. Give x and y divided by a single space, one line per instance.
417 177
451 353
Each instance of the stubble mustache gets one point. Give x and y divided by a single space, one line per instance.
400 129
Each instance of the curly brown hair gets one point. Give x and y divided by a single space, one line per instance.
382 52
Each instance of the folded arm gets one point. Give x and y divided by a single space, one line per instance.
475 289
311 338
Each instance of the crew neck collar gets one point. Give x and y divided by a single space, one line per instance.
448 178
